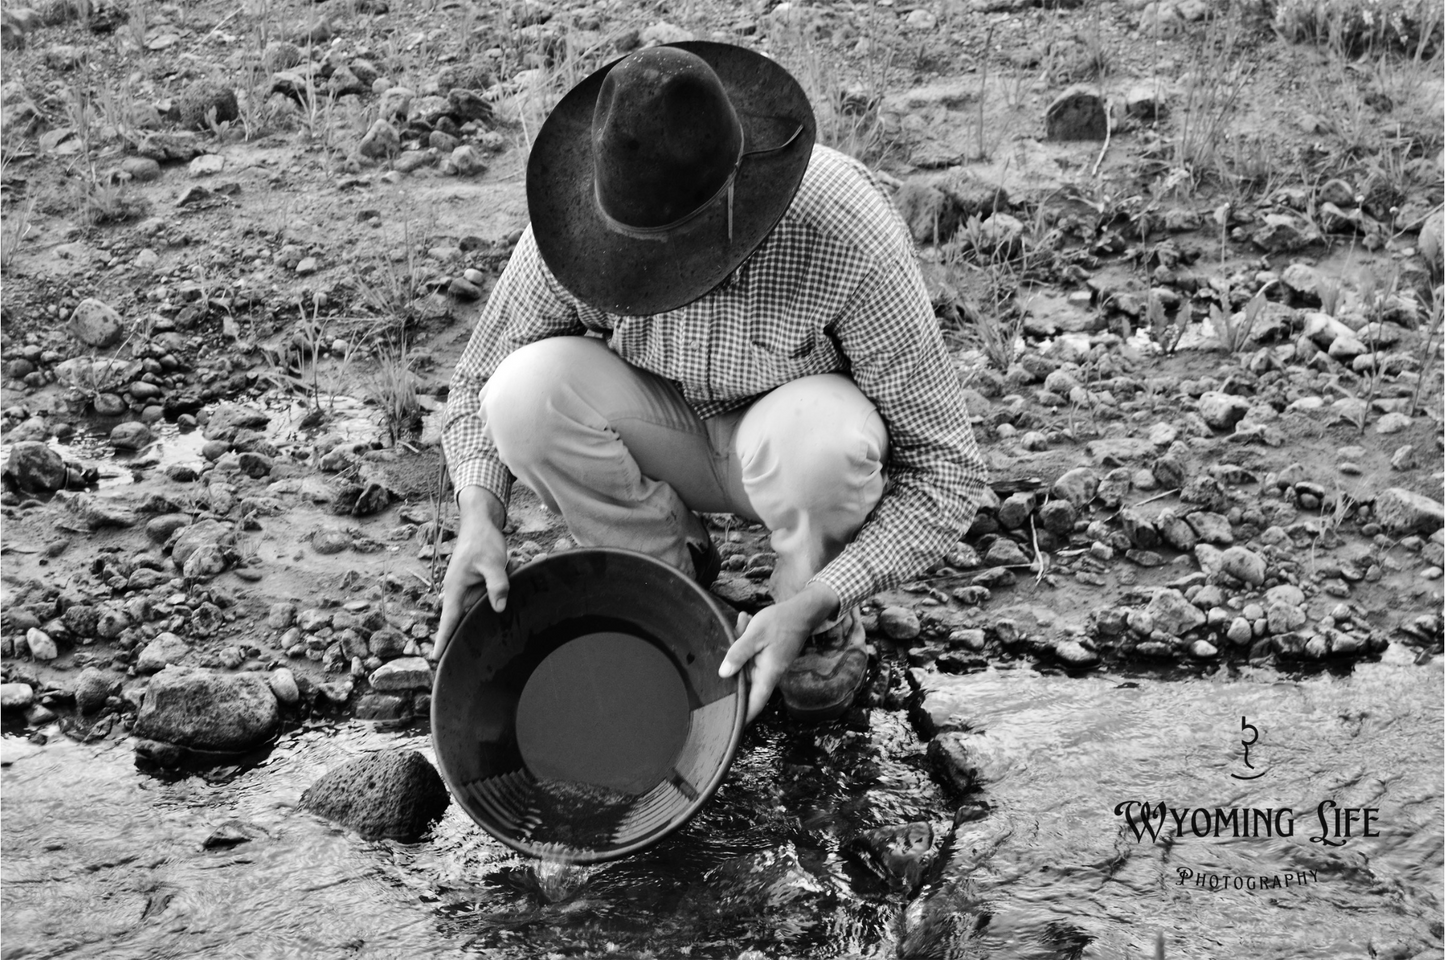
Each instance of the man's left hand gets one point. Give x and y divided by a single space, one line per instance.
769 642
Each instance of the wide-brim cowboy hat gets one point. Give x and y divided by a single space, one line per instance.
642 269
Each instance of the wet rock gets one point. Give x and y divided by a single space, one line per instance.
899 623
16 696
1075 654
108 405
92 687
95 324
406 673
34 467
131 435
283 685
207 711
393 793
1403 511
165 650
1244 564
967 760
42 646
1079 113
1203 650
1173 614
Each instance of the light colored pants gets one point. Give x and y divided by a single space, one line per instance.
621 456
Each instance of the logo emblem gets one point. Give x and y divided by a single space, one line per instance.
1246 726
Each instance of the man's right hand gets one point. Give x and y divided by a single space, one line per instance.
478 566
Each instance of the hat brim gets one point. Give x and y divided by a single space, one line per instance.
623 274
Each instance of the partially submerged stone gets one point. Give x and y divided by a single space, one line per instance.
394 793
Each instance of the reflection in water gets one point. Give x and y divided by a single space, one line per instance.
102 861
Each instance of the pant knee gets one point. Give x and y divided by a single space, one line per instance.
530 392
817 448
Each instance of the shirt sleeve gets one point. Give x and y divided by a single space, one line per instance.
527 304
935 472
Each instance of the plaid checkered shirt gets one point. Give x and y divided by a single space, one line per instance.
835 287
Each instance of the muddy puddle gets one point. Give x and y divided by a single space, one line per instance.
833 841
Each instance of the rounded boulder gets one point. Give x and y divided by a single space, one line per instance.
394 793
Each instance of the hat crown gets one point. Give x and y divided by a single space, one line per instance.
665 138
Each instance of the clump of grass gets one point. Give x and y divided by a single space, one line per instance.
1356 26
1165 333
1234 329
847 99
1220 70
13 228
392 387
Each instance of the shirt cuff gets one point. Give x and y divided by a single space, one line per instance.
849 578
490 475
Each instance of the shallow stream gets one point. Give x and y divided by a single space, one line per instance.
103 860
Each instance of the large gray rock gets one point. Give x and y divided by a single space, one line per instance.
97 375
1402 511
131 435
1079 113
95 323
228 418
166 649
92 688
407 673
395 793
1173 614
16 696
1077 486
1244 564
206 711
1222 410
35 468
205 534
